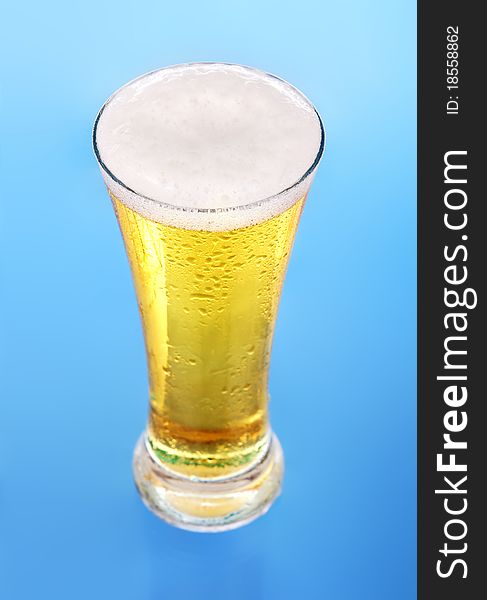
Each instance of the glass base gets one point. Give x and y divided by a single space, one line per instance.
205 504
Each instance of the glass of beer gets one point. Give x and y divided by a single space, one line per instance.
208 166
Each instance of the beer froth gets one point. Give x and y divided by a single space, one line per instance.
208 146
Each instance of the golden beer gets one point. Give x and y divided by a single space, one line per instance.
208 302
208 167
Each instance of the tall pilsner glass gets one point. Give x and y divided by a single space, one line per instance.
208 166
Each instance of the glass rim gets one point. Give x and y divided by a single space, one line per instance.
247 206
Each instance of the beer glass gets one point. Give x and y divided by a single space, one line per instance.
208 166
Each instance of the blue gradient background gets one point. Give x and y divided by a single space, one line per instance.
73 368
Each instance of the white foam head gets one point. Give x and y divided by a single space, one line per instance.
208 146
